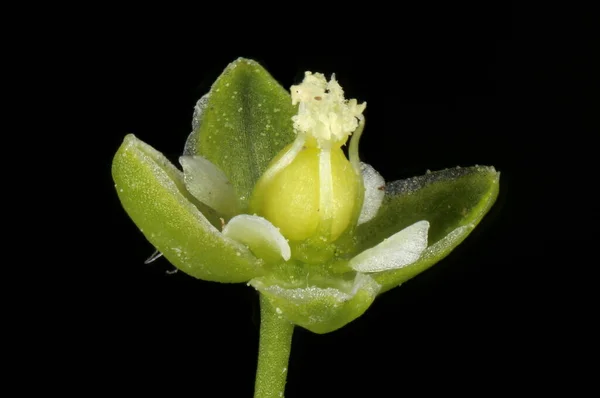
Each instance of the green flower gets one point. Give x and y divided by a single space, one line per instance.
267 197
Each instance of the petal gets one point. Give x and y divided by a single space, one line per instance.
320 309
397 251
209 185
262 237
429 257
374 185
453 201
241 124
152 192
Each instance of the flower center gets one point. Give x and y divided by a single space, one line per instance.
310 190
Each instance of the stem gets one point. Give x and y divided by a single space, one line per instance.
273 352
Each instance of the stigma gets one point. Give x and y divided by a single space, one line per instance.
325 117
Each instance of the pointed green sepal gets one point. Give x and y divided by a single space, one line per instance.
153 193
453 201
241 124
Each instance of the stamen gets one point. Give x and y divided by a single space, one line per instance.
286 159
325 190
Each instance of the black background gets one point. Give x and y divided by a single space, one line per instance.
491 85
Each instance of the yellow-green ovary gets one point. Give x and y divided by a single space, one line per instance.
290 200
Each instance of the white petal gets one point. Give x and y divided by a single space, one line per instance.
207 183
262 237
397 251
374 192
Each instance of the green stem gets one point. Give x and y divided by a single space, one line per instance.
273 352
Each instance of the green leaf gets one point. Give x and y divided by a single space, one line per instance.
153 193
320 309
242 123
452 200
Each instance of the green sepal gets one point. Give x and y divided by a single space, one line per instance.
453 201
241 124
153 193
323 307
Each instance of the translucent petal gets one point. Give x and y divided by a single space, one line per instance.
209 185
374 185
397 251
262 237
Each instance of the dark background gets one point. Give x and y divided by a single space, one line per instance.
492 85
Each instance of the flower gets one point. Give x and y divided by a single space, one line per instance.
267 197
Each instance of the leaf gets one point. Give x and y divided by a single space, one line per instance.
153 193
242 123
320 309
453 201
